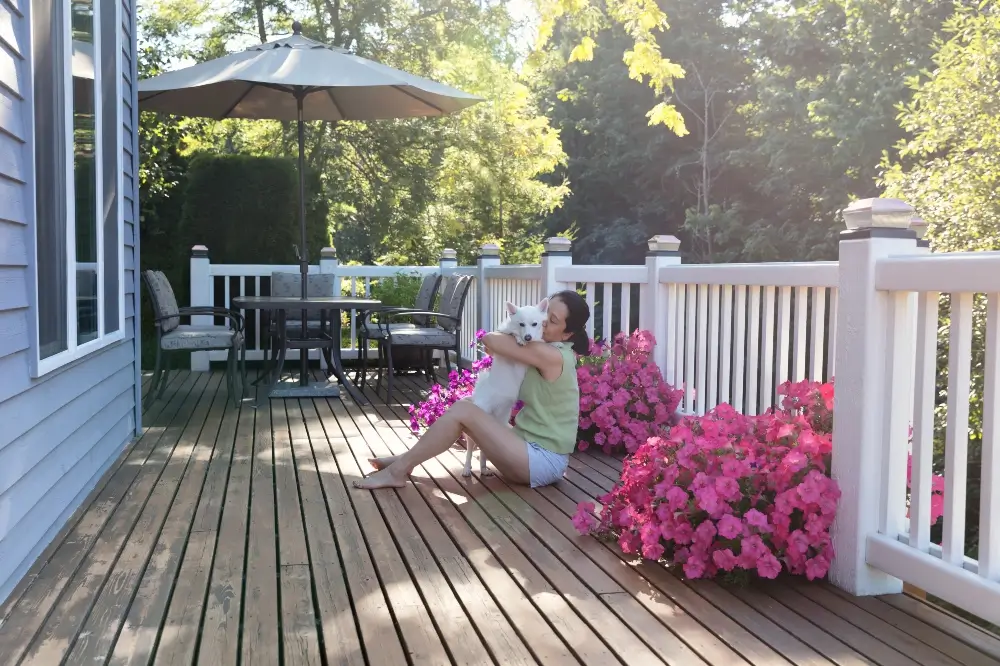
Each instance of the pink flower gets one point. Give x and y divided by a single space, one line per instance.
584 520
768 566
724 559
755 518
730 527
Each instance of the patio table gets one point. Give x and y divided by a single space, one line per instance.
326 341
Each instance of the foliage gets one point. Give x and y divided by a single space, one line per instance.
829 78
246 209
732 494
398 190
948 170
400 290
623 398
488 183
642 20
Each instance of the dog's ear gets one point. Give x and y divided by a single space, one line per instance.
511 308
543 305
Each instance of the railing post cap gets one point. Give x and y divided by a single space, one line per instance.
449 253
199 251
557 244
489 250
918 225
878 213
328 253
664 243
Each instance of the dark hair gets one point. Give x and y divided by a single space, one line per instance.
578 314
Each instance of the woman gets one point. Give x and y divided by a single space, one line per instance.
536 450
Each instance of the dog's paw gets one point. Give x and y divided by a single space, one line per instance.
486 472
466 473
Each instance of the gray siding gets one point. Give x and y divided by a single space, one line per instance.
61 432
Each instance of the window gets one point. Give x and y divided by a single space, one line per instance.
77 128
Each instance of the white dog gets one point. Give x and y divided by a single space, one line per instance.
497 387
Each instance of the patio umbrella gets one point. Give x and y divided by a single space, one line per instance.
297 78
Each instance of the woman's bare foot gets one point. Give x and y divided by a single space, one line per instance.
381 479
383 462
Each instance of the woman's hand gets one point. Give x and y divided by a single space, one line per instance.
536 353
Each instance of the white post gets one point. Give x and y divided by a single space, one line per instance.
657 312
448 261
328 264
201 294
489 255
862 453
558 253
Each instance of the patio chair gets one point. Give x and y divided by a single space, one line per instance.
290 285
444 334
370 330
172 336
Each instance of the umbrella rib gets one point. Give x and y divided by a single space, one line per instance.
419 99
238 100
336 105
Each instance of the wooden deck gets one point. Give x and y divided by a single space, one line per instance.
230 536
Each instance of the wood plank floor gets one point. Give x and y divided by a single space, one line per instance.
231 536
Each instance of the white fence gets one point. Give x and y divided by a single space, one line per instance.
733 333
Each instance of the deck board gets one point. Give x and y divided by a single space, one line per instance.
228 535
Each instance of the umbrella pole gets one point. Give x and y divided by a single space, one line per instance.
303 255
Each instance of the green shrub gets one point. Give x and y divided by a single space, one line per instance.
399 290
246 209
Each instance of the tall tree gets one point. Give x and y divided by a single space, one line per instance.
830 75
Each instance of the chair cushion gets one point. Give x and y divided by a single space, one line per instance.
423 337
200 337
164 301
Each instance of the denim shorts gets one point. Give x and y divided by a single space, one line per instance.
544 466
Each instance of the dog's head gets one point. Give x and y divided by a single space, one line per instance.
525 323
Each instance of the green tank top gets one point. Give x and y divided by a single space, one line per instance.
551 413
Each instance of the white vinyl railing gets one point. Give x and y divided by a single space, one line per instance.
733 333
738 331
219 284
918 293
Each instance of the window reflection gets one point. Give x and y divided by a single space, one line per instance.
85 175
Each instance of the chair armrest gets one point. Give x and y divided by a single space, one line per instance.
393 315
233 315
387 310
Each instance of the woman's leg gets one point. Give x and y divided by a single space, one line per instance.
507 451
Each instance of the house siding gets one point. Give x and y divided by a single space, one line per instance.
62 431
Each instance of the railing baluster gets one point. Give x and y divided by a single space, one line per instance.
831 358
690 340
725 380
740 348
753 365
818 334
956 451
925 384
767 358
712 389
800 334
989 506
702 370
784 332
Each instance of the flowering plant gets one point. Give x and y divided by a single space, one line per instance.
623 398
731 493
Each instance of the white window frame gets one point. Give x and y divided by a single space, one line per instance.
75 351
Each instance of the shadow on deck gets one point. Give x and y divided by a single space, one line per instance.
232 536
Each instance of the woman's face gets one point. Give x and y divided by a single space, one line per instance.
554 326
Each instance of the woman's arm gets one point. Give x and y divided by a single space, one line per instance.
541 355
